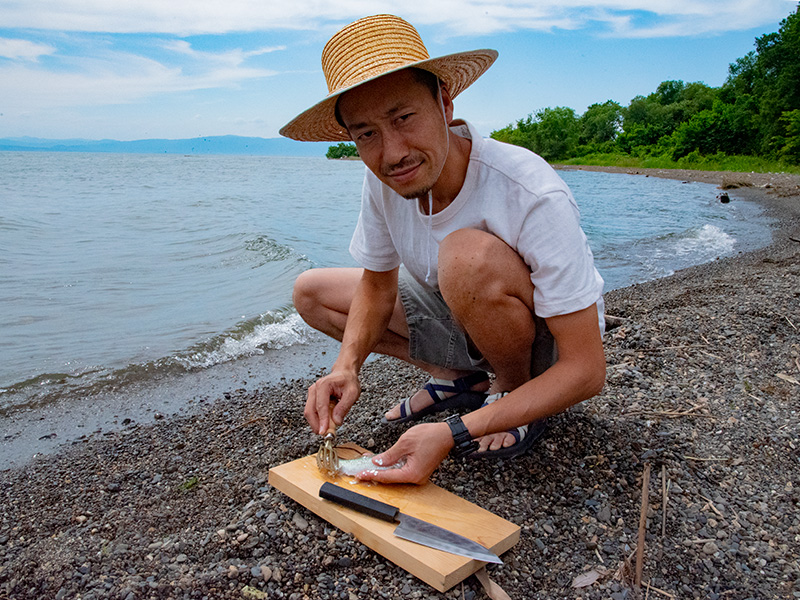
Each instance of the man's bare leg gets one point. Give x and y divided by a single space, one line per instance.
487 286
323 297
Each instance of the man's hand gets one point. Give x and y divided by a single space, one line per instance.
342 386
423 447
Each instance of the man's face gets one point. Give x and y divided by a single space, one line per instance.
399 130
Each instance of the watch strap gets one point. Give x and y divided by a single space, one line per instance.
464 444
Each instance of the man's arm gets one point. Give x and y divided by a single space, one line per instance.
578 374
368 317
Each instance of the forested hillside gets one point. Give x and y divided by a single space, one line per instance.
755 113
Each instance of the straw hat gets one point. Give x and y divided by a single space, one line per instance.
367 49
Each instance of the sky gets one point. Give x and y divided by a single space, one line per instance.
140 69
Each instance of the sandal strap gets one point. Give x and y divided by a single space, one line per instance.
494 398
520 432
438 387
405 408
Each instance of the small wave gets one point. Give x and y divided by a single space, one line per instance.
700 243
707 240
660 256
268 249
271 331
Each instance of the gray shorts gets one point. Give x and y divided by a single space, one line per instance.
436 339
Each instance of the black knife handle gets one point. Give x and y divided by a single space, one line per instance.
363 504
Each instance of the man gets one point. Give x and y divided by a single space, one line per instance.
494 261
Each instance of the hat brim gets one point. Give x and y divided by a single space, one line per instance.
457 71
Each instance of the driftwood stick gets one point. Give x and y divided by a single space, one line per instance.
642 526
663 501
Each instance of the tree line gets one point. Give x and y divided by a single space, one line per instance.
341 150
756 112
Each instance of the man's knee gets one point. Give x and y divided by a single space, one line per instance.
305 294
465 252
479 259
476 267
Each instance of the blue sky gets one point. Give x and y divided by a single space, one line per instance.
133 69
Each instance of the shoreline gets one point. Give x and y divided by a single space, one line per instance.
699 387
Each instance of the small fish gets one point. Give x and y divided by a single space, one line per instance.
363 463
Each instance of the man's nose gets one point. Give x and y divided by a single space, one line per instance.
395 147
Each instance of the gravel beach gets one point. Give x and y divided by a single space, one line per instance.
702 393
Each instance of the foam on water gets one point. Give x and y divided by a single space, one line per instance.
275 335
706 240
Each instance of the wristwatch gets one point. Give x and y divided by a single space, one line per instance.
464 442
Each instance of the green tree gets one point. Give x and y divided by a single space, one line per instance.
767 82
557 133
790 148
601 123
552 133
522 134
650 121
342 150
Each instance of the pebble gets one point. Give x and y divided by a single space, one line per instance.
710 548
299 521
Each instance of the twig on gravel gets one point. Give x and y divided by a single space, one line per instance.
625 571
642 526
794 239
658 591
246 423
663 501
754 397
597 552
671 414
790 322
712 507
682 347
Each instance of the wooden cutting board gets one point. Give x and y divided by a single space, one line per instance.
301 480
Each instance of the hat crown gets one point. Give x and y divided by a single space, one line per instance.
368 48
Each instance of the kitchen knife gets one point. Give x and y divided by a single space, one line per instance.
410 528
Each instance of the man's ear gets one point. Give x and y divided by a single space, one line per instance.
447 102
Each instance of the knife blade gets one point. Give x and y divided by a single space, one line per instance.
409 528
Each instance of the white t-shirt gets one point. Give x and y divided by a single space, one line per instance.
509 192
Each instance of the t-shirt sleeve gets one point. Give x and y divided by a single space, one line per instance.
555 247
371 245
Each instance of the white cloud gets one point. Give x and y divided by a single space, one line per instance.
119 78
233 57
625 18
23 49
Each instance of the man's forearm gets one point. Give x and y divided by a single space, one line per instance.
368 318
579 374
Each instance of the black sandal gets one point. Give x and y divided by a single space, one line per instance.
461 396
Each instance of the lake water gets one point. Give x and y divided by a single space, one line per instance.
121 268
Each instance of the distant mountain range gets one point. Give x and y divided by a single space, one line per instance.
225 144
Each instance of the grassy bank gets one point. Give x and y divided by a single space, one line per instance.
693 161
